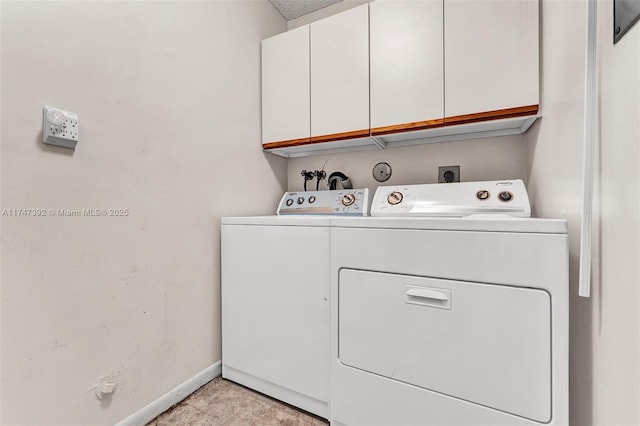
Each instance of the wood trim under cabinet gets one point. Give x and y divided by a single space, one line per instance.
491 115
341 136
286 144
407 127
317 139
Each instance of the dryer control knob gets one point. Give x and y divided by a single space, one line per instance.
505 196
300 200
482 195
289 202
394 198
348 199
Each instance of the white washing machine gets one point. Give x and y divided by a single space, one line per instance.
275 297
449 320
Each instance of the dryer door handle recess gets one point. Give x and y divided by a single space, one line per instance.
427 293
425 296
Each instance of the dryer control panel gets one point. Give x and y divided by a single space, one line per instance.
506 197
349 202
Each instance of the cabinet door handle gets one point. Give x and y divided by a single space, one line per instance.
426 293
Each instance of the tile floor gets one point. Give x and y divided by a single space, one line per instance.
224 403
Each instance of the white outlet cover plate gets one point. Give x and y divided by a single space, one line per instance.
60 127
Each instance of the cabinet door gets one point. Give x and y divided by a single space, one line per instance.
340 75
490 56
407 77
285 87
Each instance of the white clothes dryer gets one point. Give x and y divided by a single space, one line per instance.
449 320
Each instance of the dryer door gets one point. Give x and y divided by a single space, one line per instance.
482 343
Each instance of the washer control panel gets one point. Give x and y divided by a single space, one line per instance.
349 202
453 199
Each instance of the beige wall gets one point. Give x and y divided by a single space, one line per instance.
604 359
168 99
616 313
479 159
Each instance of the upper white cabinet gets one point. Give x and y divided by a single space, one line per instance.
340 75
490 57
407 77
285 87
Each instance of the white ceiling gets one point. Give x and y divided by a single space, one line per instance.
292 9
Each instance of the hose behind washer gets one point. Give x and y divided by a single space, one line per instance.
344 180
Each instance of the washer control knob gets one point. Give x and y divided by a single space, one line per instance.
289 202
394 198
505 196
312 199
300 200
482 195
348 199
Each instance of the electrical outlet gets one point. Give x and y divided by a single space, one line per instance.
448 174
59 127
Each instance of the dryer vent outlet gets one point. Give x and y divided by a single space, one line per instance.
448 174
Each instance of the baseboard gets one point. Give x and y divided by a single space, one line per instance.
175 395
